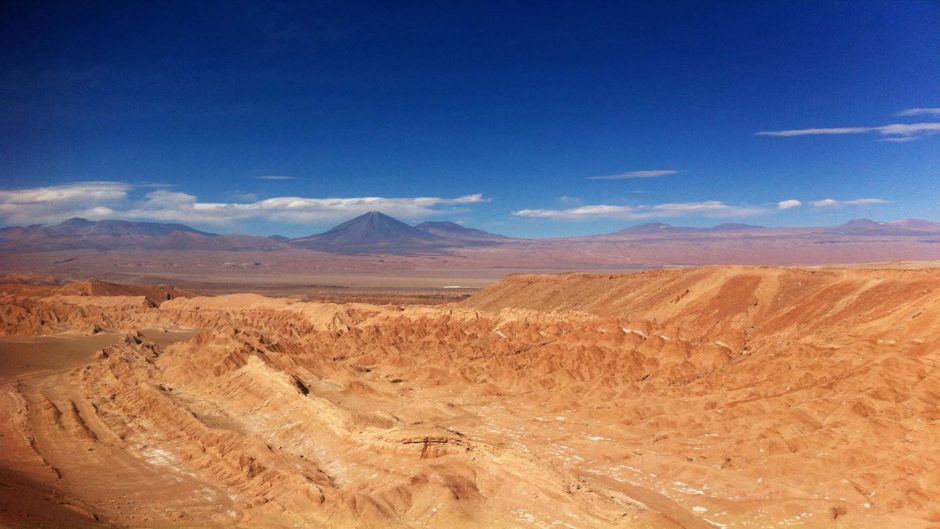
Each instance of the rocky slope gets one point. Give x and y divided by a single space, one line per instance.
719 397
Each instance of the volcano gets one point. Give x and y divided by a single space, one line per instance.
451 230
374 232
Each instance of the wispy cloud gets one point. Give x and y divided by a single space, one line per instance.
866 202
919 112
789 204
893 132
99 200
813 132
833 203
274 177
630 175
708 208
908 130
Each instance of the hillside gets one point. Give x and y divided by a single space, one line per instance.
156 294
755 298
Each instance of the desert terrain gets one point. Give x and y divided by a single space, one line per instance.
377 258
377 243
706 397
470 265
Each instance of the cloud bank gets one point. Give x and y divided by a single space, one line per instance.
897 132
630 175
709 208
39 205
833 203
100 200
920 112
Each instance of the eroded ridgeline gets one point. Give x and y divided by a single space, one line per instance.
702 397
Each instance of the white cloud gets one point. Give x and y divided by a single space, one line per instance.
811 132
920 112
900 139
895 132
169 199
789 204
46 204
181 207
65 193
709 208
908 129
274 177
630 175
97 200
865 201
831 202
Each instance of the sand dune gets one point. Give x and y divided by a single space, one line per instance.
716 397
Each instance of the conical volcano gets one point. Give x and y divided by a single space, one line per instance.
373 232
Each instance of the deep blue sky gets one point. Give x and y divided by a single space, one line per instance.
517 102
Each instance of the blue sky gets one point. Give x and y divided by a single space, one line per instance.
493 114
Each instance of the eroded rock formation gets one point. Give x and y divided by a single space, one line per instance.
713 397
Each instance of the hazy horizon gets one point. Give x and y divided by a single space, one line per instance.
717 224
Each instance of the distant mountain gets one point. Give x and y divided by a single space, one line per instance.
373 232
916 225
735 226
651 227
78 227
860 227
377 233
77 233
900 227
451 230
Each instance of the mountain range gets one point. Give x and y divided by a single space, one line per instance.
903 227
377 233
77 233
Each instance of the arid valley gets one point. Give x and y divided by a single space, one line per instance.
712 397
470 264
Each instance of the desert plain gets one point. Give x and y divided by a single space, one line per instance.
701 397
